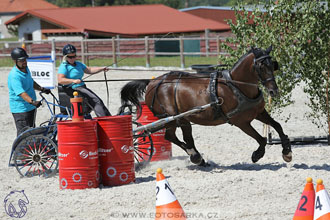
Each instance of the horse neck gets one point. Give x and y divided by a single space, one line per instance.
245 73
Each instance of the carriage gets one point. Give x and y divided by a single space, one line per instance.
34 151
222 97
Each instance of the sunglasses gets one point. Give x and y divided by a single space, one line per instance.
71 57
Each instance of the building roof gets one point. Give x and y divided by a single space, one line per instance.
132 20
23 5
219 14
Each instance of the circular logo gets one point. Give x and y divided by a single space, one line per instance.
123 176
113 170
90 183
97 176
83 154
74 177
154 151
125 149
65 183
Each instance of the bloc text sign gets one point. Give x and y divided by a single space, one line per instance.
43 72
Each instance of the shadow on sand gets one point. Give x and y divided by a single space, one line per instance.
256 167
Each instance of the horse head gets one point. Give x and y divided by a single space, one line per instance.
265 68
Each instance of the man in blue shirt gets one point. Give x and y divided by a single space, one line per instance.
22 97
70 74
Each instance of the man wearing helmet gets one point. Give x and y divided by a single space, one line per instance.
70 74
22 97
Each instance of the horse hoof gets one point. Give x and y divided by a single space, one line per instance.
288 157
196 159
255 157
204 164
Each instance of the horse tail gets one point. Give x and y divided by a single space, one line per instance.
131 94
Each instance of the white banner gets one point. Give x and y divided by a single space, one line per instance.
43 72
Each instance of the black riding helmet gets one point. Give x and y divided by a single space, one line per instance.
19 54
67 49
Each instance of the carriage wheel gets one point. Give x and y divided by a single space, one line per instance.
36 155
143 147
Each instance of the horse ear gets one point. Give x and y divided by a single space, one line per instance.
252 50
269 49
275 64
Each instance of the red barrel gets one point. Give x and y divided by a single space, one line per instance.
162 147
116 150
78 154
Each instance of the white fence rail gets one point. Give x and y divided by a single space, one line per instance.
117 47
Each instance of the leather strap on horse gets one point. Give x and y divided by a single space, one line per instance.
154 97
175 89
244 102
216 106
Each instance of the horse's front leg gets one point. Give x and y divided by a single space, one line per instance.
249 130
286 145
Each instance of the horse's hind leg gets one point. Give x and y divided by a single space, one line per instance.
188 145
170 136
286 145
249 130
195 156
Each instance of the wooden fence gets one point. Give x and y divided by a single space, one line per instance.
117 48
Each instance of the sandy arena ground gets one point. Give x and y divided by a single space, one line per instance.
231 188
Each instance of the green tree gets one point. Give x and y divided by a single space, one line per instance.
73 3
299 33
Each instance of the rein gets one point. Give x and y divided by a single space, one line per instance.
125 80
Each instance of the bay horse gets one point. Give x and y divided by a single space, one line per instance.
235 97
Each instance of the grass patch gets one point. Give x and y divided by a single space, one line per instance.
136 61
155 61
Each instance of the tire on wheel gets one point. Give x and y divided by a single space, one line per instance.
36 155
143 147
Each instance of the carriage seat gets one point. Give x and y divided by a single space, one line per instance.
64 95
208 68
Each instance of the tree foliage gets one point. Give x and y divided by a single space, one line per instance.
171 3
299 33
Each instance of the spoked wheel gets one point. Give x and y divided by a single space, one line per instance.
36 155
143 147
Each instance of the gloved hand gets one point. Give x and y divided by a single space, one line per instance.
36 103
44 90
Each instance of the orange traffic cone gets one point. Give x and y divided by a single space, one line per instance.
305 208
167 206
322 202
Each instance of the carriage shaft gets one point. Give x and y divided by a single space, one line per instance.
159 124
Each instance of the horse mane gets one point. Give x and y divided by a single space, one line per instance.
177 73
257 53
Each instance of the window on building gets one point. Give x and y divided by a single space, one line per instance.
28 36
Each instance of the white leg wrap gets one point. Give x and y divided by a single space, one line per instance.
191 151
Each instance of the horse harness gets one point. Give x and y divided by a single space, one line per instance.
244 102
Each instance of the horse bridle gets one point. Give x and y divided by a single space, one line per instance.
257 66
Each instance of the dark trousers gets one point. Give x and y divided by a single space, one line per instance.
24 120
94 101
